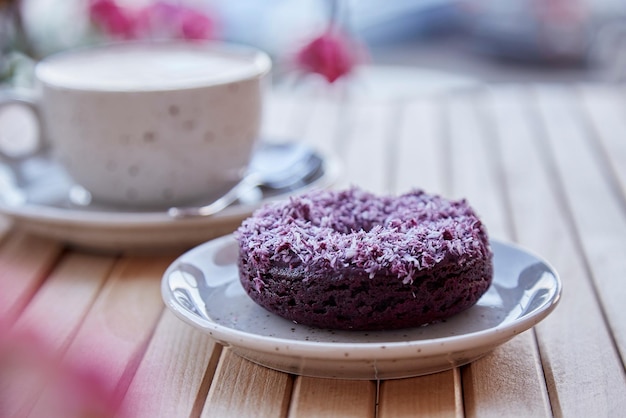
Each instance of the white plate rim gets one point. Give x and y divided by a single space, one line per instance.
363 350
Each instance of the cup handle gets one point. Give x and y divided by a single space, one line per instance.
27 99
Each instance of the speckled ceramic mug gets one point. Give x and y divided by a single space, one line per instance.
153 124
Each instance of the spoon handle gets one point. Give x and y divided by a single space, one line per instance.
248 183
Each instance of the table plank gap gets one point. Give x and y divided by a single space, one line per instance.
207 381
434 395
595 214
540 216
266 392
315 397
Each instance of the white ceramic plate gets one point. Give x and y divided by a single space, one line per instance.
40 203
202 288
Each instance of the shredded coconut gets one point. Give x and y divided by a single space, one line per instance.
354 229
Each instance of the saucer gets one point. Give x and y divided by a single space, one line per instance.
35 195
202 288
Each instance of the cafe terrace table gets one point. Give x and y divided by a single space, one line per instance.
545 167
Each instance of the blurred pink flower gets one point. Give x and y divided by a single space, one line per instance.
157 20
331 55
32 372
113 19
195 25
81 392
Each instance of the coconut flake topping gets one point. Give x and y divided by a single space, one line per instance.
353 229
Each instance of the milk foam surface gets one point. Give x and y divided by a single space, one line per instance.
141 67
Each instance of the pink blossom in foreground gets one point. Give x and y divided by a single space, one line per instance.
34 381
331 55
80 392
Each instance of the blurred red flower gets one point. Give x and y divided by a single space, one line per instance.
331 55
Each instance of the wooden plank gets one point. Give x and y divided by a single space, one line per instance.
369 144
50 320
315 121
473 164
597 210
5 226
476 176
174 376
507 382
437 395
604 112
243 389
114 335
419 158
326 125
581 368
25 260
277 116
58 308
315 397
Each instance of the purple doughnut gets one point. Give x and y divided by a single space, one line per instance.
353 260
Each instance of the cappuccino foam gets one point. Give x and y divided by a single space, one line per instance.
146 67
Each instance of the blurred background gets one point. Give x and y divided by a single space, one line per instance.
488 40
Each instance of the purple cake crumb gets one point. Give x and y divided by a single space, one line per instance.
353 260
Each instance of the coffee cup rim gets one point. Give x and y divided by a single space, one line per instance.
260 60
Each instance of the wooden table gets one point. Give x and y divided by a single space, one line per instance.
545 166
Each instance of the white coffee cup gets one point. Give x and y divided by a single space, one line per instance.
152 123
